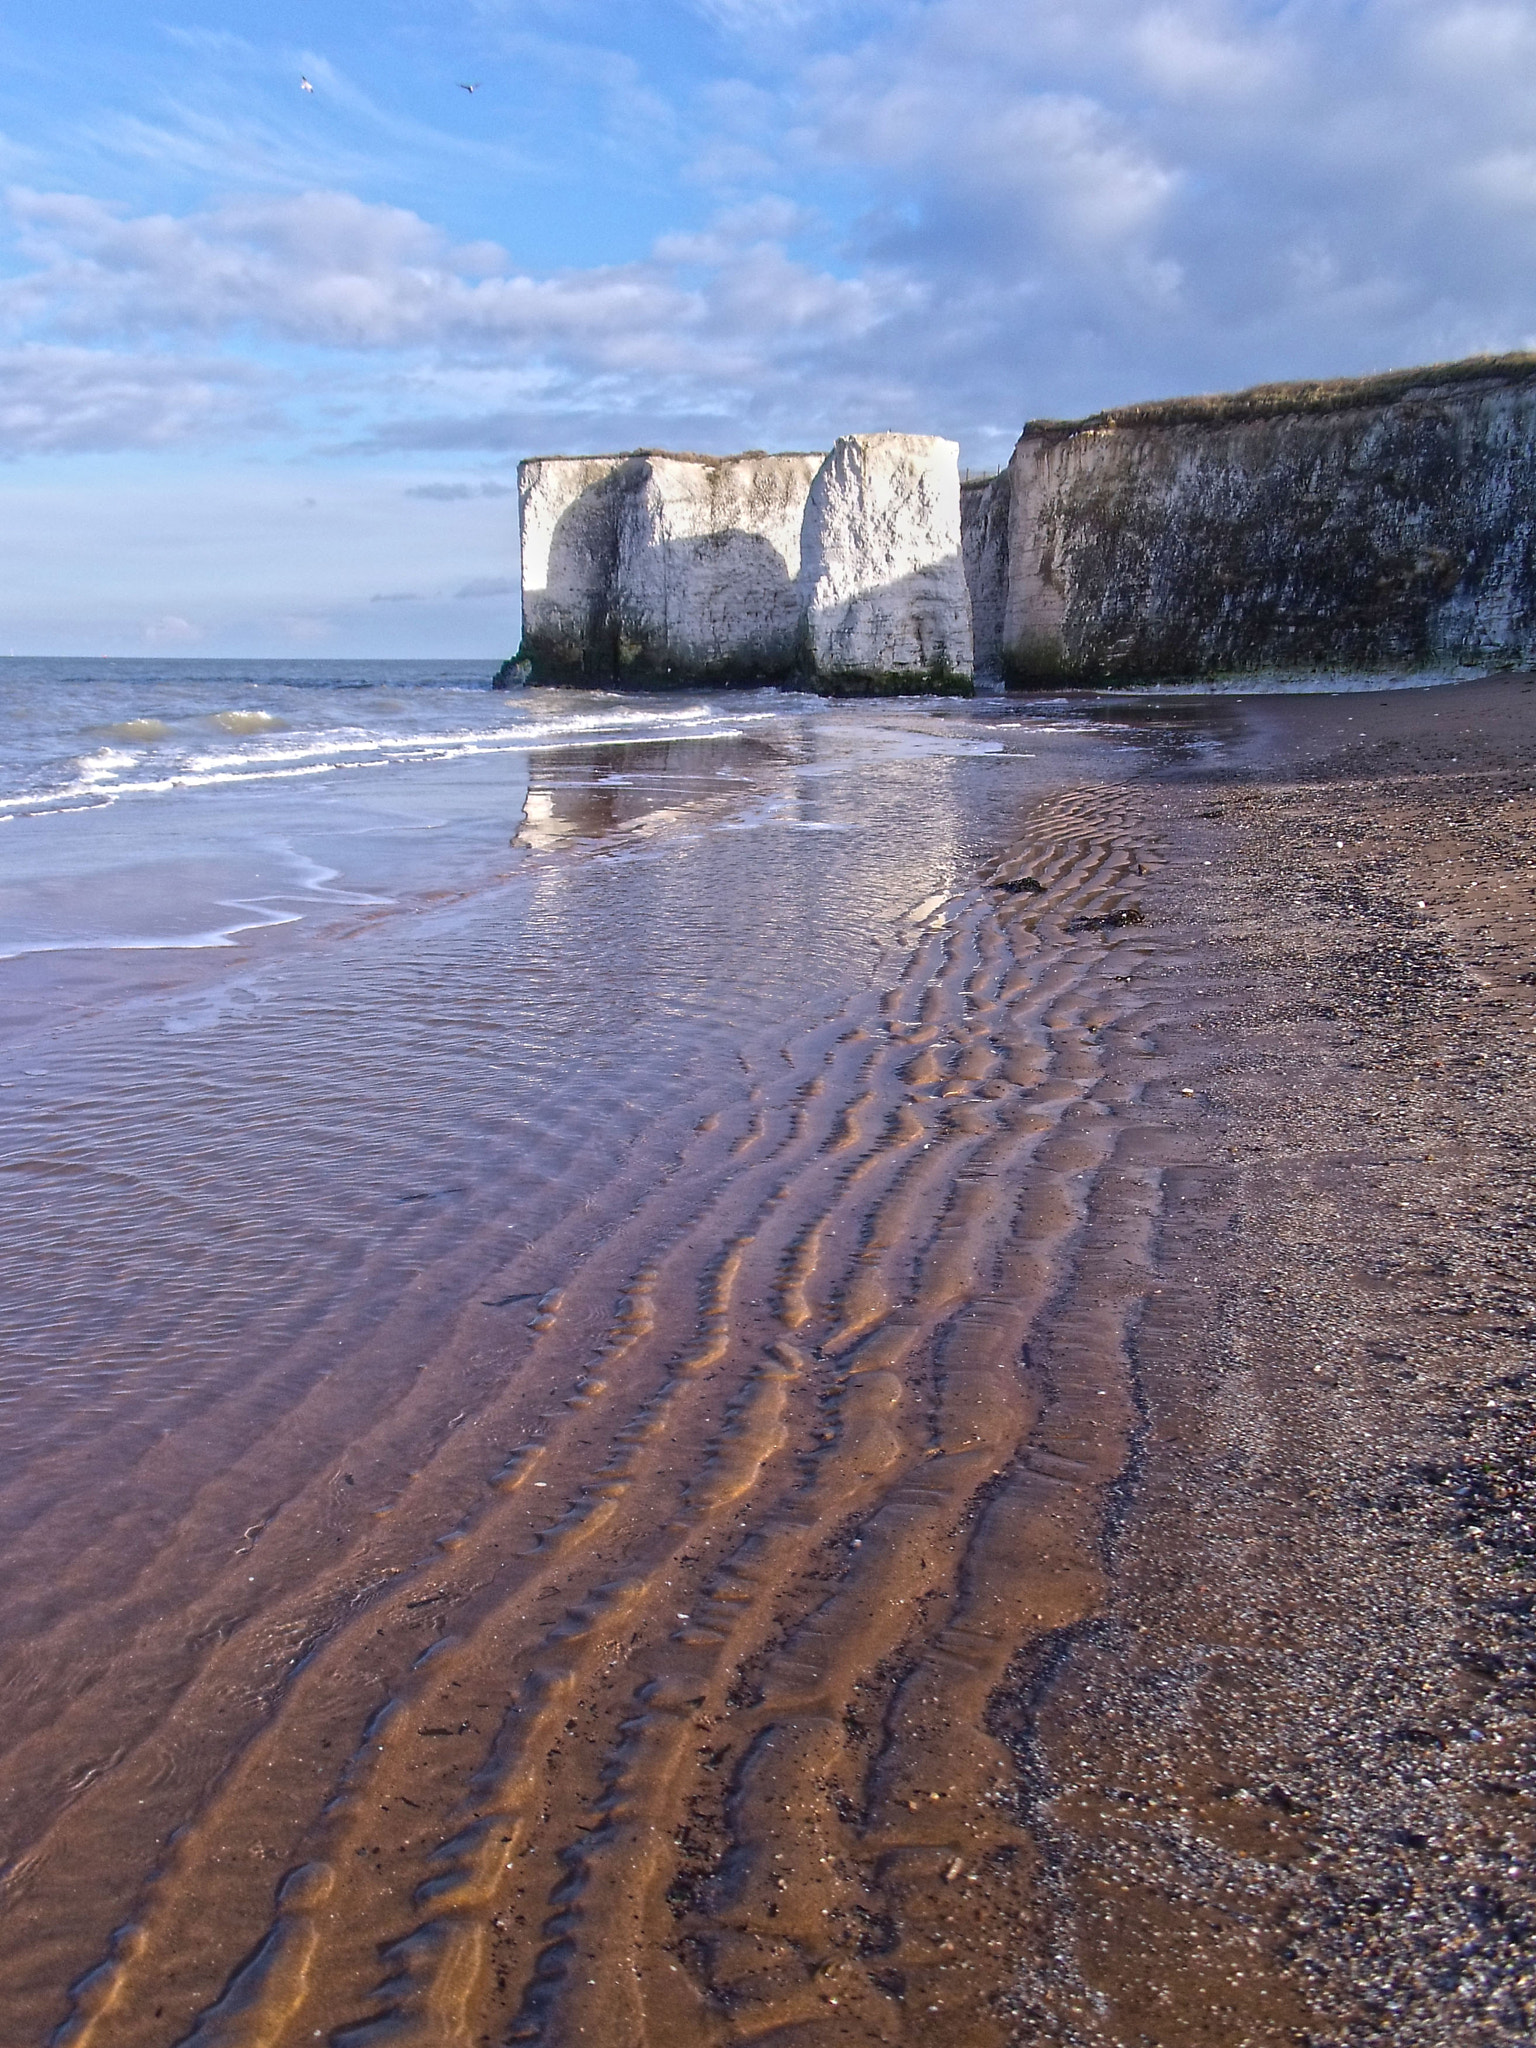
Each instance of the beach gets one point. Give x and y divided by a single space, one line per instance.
1285 1773
831 1375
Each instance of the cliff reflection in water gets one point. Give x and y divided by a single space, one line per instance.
741 832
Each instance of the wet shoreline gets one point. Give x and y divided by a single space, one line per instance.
543 1389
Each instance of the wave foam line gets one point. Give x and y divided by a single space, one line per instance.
427 750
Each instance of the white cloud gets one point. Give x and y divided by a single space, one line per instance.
452 494
488 586
63 400
305 629
171 631
1506 178
1121 197
1200 54
725 321
942 213
764 17
324 268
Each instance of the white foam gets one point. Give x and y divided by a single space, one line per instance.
513 739
101 779
102 766
255 917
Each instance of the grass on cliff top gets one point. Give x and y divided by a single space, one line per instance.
1330 394
688 455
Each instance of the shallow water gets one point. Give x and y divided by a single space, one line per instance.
157 805
458 1324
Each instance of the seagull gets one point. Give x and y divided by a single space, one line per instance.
469 88
304 85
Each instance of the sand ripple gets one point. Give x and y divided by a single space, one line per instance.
573 1610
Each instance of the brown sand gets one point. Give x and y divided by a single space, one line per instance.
1008 1531
1283 1780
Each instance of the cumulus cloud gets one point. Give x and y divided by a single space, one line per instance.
929 213
328 271
469 353
1197 189
170 630
323 268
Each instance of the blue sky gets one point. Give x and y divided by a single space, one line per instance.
269 357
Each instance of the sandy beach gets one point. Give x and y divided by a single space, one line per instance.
1283 1776
955 1471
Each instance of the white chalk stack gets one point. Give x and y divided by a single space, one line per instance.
843 573
881 569
708 565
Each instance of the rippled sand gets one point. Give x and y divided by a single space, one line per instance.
537 1424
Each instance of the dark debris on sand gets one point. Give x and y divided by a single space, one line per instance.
1285 1782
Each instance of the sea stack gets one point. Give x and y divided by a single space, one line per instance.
840 574
883 580
652 569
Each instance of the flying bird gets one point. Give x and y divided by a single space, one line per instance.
304 85
469 88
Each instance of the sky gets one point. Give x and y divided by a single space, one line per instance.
269 357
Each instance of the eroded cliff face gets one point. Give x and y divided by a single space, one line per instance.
885 599
985 504
842 573
1385 524
1381 524
568 513
650 569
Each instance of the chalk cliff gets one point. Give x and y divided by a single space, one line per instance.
1381 524
883 582
651 568
843 574
1386 523
985 504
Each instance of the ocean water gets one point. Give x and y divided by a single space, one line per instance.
425 1116
322 929
157 805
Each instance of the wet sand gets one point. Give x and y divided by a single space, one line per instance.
978 1508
